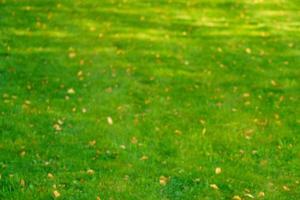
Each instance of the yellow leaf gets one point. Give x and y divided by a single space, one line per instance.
110 121
236 197
50 176
218 170
163 180
214 186
56 194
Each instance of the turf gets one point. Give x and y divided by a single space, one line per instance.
162 99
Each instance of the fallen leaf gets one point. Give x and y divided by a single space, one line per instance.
92 142
214 186
163 180
144 158
80 73
248 50
110 121
273 83
134 140
178 132
56 194
249 195
72 54
71 91
90 172
218 170
236 197
203 131
22 154
246 95
261 194
22 182
50 176
57 127
286 188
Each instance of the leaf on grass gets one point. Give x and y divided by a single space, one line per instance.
261 194
92 142
72 54
22 154
286 188
246 95
134 140
56 194
236 197
248 50
163 180
214 186
22 182
178 132
218 170
273 83
144 158
249 195
71 91
57 127
110 121
90 172
50 176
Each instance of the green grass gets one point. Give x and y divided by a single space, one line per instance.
190 86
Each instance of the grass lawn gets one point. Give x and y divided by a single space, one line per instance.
161 99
